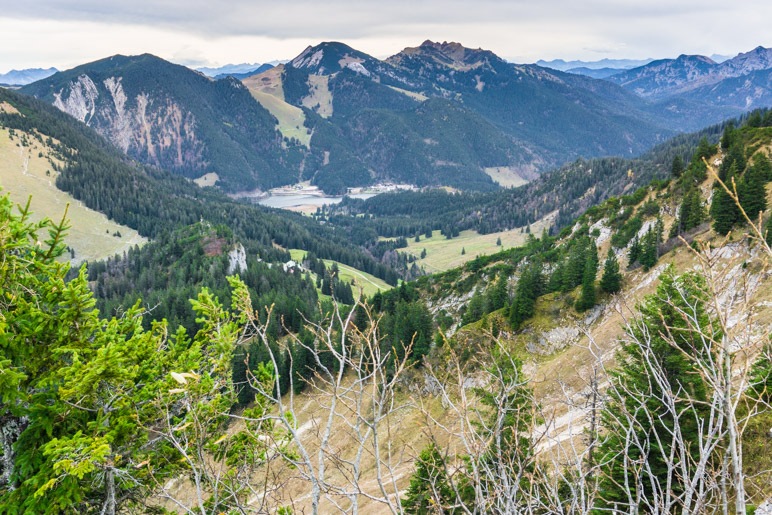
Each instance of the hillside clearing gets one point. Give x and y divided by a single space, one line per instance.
369 284
208 179
505 176
267 89
26 171
320 97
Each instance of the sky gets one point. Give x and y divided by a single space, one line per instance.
66 33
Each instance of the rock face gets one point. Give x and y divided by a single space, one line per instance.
237 259
148 126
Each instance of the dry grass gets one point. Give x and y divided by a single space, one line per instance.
208 179
320 97
412 94
5 107
27 171
267 89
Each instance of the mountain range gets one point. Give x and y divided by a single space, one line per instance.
618 64
26 76
233 69
432 115
742 82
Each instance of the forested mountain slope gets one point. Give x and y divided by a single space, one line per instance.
524 117
565 193
439 114
171 117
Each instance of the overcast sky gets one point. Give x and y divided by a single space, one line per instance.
65 33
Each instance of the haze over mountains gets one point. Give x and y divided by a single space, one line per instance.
26 76
438 114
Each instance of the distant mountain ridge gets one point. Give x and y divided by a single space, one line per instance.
232 69
669 78
243 75
621 64
26 76
595 73
438 114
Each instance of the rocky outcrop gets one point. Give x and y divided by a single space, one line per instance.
237 259
149 127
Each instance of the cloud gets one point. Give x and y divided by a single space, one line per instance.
355 18
203 32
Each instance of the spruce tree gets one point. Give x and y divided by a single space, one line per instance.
649 251
723 209
752 193
529 287
678 167
80 394
497 295
611 281
637 453
695 213
587 297
475 309
430 490
634 253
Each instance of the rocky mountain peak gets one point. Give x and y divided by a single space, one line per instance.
685 58
447 54
759 58
330 57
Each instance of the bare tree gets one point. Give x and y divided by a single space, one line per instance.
355 400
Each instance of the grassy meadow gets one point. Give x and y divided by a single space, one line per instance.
443 254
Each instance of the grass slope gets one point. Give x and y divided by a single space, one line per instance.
267 89
27 171
369 284
505 176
